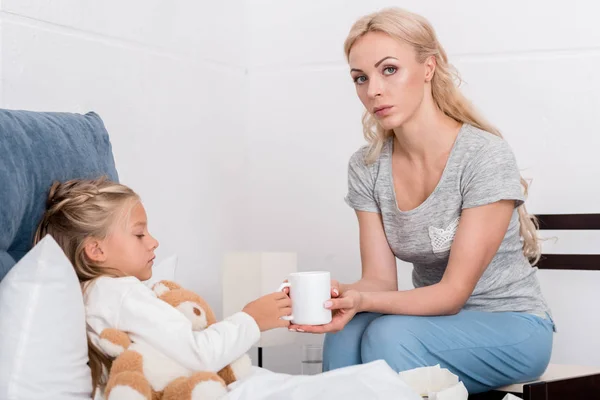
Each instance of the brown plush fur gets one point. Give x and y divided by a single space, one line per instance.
128 370
128 361
134 380
178 296
116 337
171 285
182 388
227 375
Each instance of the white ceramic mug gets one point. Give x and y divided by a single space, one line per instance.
308 291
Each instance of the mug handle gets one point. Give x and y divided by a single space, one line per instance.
281 287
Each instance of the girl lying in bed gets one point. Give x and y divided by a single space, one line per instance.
103 229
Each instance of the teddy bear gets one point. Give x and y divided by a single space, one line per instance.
142 372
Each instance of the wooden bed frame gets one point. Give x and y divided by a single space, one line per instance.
560 382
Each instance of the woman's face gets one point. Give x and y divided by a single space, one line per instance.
389 80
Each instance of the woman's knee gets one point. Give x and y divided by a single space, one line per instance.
395 339
343 348
352 332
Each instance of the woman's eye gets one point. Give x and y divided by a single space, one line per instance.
360 79
389 70
140 236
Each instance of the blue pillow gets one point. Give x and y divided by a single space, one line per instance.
37 148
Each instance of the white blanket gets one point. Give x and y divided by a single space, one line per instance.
375 380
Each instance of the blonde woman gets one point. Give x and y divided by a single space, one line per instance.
436 186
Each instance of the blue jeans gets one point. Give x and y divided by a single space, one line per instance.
486 350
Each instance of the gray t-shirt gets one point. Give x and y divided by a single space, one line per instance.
481 169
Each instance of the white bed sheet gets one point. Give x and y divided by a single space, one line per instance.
375 380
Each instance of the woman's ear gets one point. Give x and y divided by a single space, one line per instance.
430 64
94 250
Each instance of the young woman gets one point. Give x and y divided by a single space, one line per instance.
436 186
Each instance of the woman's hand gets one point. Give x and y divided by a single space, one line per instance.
344 308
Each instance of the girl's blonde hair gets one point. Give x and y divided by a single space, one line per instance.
417 31
75 211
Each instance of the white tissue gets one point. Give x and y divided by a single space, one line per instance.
430 381
454 392
435 383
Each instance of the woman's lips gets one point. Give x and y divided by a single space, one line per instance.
383 110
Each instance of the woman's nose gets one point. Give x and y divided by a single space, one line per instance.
375 88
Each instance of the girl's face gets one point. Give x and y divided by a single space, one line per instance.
389 80
129 247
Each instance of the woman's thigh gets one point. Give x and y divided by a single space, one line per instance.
343 348
485 350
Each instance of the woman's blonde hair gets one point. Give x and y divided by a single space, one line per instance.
75 211
417 31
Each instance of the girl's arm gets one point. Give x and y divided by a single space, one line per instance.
150 320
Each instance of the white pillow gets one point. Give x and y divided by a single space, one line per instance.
163 270
43 343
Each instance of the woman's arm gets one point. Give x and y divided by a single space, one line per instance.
379 271
479 235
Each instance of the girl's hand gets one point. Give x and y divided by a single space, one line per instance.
344 308
268 310
335 288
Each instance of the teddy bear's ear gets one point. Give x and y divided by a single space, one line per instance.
163 287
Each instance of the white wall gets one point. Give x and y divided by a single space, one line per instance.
170 94
529 66
235 121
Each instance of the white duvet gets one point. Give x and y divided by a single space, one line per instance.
375 380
